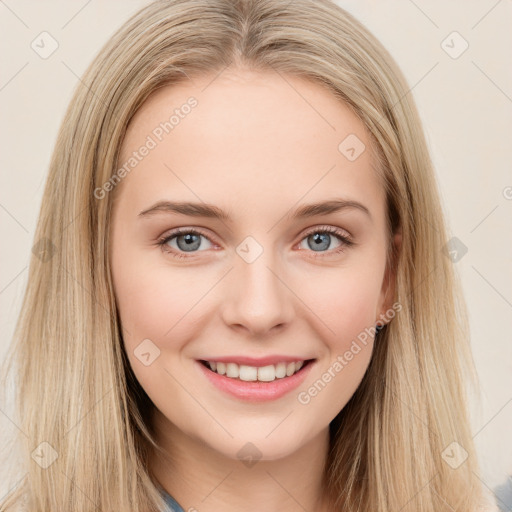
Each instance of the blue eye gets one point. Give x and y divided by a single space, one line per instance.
319 239
189 240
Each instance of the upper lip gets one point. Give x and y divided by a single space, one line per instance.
256 361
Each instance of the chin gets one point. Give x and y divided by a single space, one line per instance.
245 447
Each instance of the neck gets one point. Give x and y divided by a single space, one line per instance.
199 477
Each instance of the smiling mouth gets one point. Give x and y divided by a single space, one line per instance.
269 373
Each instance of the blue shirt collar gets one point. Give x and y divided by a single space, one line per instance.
172 504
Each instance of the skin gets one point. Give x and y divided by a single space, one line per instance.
258 146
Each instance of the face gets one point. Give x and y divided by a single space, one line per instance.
260 279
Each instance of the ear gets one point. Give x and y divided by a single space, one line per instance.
387 294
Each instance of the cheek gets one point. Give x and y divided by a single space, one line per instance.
345 300
346 304
155 301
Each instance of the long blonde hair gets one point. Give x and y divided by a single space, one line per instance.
74 387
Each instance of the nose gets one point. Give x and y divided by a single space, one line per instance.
257 298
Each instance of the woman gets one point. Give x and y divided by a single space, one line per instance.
244 300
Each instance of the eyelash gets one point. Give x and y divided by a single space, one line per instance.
346 241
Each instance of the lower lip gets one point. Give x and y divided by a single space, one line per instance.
256 391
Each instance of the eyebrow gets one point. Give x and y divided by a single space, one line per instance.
212 211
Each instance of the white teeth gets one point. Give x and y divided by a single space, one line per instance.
267 373
253 373
232 370
280 370
248 373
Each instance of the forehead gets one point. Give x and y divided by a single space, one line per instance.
250 137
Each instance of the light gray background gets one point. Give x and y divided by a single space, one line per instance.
465 104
